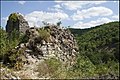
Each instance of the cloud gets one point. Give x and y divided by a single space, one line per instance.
74 5
4 20
22 2
55 10
36 17
90 24
91 12
58 1
57 6
115 17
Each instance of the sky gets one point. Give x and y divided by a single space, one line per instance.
76 14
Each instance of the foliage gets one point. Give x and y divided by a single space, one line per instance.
14 59
101 46
85 67
48 67
110 68
78 32
24 38
44 34
59 23
7 44
3 40
13 17
98 48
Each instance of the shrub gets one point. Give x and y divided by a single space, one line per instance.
84 67
3 46
49 67
59 23
24 38
44 34
55 69
7 45
14 57
110 68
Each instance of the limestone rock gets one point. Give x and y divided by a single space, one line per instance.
51 41
61 44
16 21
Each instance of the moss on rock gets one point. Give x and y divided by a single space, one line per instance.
13 17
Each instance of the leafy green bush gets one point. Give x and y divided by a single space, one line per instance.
7 44
3 46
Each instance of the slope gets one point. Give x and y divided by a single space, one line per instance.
101 44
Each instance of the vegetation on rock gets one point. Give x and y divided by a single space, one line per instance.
13 17
98 53
44 34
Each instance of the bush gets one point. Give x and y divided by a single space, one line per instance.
24 38
44 34
3 40
49 67
7 44
84 67
110 68
55 69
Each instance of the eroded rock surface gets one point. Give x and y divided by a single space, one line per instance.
16 21
56 42
41 44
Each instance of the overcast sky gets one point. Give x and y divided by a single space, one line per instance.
77 14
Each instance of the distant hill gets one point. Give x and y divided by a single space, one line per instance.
100 43
77 32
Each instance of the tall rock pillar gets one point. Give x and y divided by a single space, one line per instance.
16 21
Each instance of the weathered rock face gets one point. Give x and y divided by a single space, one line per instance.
60 44
16 21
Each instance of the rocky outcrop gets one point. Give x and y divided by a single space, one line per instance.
50 41
16 21
41 44
38 45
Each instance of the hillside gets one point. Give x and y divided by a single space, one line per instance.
101 45
100 40
78 32
52 52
